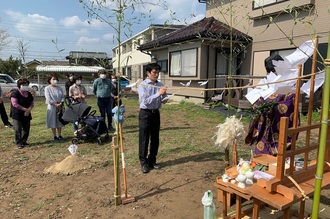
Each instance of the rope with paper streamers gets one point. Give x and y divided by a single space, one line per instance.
240 87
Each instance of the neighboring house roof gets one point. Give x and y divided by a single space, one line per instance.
37 62
58 68
153 26
206 28
85 54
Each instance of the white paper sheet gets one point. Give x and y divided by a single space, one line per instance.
318 82
301 54
73 149
285 69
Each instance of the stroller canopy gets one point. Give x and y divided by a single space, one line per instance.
75 111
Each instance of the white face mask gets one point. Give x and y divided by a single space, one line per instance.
54 81
114 80
102 76
78 82
24 88
70 78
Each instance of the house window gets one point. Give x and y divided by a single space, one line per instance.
263 3
222 67
163 65
183 63
127 71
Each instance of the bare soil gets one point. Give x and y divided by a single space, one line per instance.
35 188
36 184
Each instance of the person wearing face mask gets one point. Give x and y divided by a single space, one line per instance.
102 90
21 106
54 100
69 83
78 93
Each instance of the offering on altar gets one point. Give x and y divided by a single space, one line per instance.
241 178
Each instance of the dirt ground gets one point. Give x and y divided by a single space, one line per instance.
36 184
34 189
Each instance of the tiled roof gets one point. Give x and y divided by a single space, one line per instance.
205 28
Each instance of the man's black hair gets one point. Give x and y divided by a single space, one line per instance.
151 66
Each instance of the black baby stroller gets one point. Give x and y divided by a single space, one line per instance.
91 127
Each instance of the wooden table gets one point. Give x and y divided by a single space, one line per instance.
225 190
258 194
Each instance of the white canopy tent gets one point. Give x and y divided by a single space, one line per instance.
68 69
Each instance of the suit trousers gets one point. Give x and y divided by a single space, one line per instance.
149 126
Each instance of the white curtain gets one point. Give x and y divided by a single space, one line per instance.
175 64
189 62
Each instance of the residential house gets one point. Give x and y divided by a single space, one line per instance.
84 63
276 27
199 52
86 58
130 61
34 63
62 69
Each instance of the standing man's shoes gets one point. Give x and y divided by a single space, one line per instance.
25 144
154 166
144 168
8 125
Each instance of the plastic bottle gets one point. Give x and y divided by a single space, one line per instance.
209 208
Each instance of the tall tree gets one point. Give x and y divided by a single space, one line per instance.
10 66
121 15
4 38
22 48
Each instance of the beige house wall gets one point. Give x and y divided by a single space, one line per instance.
275 36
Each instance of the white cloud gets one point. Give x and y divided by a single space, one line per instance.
86 40
178 11
74 21
31 24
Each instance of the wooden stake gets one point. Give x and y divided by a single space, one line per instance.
125 198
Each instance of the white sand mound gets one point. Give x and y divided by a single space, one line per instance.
69 165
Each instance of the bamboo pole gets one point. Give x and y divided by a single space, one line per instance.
323 137
115 154
123 158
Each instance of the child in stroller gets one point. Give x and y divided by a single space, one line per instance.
91 127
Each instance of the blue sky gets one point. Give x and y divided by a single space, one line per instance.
53 28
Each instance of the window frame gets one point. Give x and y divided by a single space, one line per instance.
180 62
164 65
274 2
